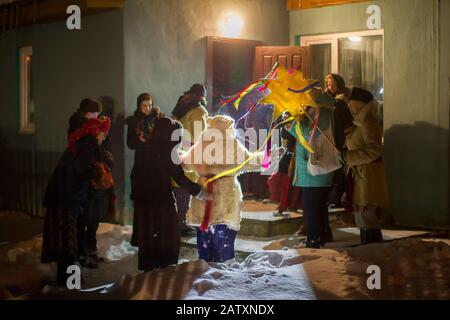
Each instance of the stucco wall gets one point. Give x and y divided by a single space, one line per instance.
416 105
67 66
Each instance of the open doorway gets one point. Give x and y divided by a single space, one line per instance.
229 68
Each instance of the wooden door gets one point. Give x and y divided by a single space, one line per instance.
229 66
288 56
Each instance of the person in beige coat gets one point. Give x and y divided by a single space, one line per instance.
190 111
363 154
217 151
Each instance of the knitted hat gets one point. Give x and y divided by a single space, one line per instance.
362 95
198 90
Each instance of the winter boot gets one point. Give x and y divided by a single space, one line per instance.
374 235
364 236
312 244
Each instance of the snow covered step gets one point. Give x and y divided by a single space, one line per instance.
258 220
263 224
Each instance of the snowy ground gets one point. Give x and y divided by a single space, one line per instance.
263 275
411 268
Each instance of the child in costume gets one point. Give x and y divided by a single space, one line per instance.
218 220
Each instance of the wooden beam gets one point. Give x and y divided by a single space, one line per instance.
107 4
25 13
307 4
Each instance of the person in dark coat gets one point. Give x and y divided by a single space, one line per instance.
98 199
140 128
67 193
157 234
342 120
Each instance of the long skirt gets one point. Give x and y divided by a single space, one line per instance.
216 244
183 198
158 235
60 236
60 239
282 191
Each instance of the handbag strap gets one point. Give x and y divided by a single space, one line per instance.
315 122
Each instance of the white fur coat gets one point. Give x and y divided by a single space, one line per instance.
227 152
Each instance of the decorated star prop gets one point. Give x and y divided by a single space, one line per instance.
289 91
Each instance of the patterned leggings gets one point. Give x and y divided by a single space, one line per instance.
216 244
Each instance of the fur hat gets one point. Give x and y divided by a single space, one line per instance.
90 105
362 95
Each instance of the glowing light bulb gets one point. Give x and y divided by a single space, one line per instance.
355 38
232 26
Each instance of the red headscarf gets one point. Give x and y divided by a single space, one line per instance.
92 127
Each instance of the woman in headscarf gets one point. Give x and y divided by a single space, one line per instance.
157 231
140 128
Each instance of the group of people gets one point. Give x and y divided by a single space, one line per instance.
357 138
170 197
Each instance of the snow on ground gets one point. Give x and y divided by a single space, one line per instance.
412 268
113 242
263 275
21 270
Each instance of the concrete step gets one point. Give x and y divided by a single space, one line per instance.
263 224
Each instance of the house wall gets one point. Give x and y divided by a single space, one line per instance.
67 66
165 46
416 98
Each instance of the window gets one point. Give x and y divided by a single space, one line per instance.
356 56
321 61
27 108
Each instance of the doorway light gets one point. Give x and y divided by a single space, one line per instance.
354 39
231 26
